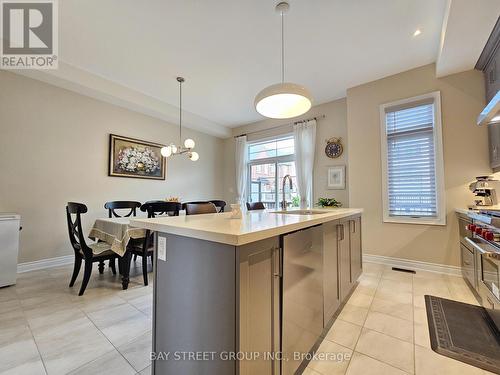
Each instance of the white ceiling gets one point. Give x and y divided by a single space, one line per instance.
129 52
466 27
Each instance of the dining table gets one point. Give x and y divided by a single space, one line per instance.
118 233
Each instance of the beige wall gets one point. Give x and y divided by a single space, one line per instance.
54 149
465 156
333 125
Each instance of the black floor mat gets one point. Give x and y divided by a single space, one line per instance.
463 332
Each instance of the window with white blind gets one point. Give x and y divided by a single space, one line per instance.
412 160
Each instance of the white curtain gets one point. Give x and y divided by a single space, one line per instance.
241 168
305 143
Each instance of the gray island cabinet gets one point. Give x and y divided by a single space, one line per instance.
252 295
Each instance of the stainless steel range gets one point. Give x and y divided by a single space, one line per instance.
480 253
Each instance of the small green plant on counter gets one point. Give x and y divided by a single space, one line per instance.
295 201
328 202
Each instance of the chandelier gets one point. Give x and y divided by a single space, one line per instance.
187 148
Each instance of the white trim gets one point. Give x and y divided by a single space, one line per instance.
413 265
267 138
272 160
438 160
45 263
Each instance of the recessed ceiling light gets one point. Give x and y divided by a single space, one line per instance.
417 32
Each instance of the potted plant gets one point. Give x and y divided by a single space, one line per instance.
328 203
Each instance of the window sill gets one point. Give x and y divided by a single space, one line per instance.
418 221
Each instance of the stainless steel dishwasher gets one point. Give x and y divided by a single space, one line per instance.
302 308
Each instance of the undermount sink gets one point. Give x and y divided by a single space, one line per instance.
300 212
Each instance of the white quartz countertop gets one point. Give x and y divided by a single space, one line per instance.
253 226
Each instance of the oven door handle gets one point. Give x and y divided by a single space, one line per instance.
475 245
488 254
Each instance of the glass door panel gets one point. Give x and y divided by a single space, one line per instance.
263 184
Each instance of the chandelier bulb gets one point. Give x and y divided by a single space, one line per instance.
189 143
194 156
166 151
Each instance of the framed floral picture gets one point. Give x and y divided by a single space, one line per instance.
129 157
336 177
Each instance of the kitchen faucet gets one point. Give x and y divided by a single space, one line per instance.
283 202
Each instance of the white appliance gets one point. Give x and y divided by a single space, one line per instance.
9 247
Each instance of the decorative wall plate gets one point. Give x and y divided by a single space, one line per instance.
334 148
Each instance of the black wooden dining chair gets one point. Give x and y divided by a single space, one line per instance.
144 247
132 206
155 208
156 201
251 206
219 204
200 208
192 202
90 254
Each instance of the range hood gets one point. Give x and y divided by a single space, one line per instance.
491 113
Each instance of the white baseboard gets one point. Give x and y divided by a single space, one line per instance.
389 261
45 263
413 264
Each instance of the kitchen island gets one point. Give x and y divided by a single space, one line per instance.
246 296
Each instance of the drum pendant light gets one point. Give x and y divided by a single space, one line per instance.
285 99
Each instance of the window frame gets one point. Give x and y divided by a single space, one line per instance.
440 218
271 160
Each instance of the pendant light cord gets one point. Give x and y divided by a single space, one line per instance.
282 47
180 111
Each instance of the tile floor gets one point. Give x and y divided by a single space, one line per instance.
383 326
45 328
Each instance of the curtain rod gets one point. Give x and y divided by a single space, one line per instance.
282 126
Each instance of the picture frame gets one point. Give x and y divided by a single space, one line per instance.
336 177
135 158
